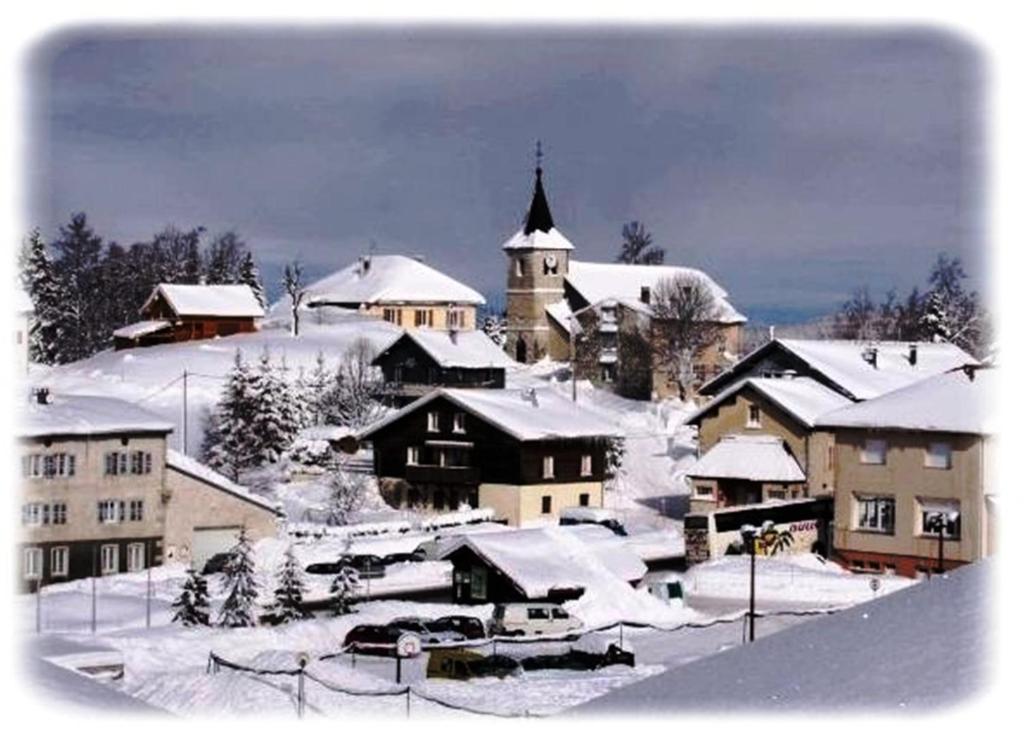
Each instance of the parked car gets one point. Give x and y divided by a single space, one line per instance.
401 557
427 631
368 566
575 515
463 664
216 563
468 626
519 619
372 639
579 659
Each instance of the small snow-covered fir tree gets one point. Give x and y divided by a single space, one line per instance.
192 607
274 422
241 584
347 496
287 605
249 274
37 277
232 445
496 328
343 590
935 321
317 391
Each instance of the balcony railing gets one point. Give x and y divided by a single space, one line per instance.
442 475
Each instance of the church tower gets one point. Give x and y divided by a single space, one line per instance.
538 260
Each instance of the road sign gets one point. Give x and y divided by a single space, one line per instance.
408 645
875 584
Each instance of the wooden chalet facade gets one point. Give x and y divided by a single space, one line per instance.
176 313
459 447
422 360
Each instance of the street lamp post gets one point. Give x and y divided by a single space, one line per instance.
749 534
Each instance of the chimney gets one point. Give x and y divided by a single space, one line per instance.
969 371
771 333
871 356
42 395
913 355
364 264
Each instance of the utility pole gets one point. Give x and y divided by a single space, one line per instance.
149 582
94 555
572 354
184 412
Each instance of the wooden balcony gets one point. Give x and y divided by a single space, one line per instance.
416 473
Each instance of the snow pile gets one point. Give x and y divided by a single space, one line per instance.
785 581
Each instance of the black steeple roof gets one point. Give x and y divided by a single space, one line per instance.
539 218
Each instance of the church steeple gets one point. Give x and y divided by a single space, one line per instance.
539 218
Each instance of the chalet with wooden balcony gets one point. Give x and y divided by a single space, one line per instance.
527 454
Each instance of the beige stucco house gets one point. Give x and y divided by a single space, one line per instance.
914 475
102 493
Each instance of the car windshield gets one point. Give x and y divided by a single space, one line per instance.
559 613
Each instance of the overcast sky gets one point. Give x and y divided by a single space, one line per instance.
790 164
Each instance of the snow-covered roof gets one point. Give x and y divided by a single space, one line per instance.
141 328
551 239
194 468
954 402
87 415
560 313
22 302
527 415
224 301
597 281
847 365
758 457
389 278
922 648
471 349
802 397
539 560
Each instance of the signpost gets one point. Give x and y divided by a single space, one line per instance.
408 645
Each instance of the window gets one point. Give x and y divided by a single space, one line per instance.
607 373
108 559
33 563
520 267
537 614
59 562
704 491
545 504
31 465
50 466
754 417
433 421
456 319
424 317
32 514
393 315
135 510
876 514
586 466
549 468
412 455
645 294
776 494
459 423
584 499
873 452
938 456
60 514
478 583
550 265
116 463
142 463
110 511
136 557
940 516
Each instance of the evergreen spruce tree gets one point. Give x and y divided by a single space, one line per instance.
232 445
249 274
192 607
39 282
240 575
318 386
496 328
78 273
273 423
287 605
343 590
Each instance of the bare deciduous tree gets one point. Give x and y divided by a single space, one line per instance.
638 246
347 497
684 325
292 283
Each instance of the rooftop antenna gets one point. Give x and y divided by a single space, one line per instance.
540 156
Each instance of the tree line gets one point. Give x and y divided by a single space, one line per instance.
84 287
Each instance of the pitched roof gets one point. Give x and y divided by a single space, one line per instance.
597 281
194 468
845 363
539 216
524 415
470 349
539 560
389 278
960 401
141 328
761 458
87 415
225 301
804 398
538 231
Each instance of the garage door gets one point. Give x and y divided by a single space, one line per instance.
207 542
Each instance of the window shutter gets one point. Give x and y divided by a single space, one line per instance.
120 506
71 465
46 514
99 511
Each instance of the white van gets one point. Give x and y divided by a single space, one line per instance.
521 619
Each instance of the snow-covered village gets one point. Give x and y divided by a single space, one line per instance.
546 453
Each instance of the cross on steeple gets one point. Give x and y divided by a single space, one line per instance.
540 157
